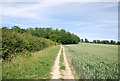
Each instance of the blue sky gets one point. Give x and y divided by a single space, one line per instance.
92 20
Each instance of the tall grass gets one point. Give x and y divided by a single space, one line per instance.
0 69
37 66
94 61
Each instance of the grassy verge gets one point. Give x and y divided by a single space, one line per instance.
38 66
62 66
0 70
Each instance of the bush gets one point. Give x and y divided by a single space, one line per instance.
16 43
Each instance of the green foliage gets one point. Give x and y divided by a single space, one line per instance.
86 40
0 69
94 41
118 42
60 36
18 29
98 41
62 66
14 42
105 42
38 66
17 40
81 40
94 61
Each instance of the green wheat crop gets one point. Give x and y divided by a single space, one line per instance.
93 61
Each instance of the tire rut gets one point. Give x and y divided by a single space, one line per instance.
57 73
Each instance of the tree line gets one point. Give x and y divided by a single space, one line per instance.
60 36
16 40
100 41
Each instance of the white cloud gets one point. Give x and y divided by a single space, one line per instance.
43 12
16 24
29 11
92 37
60 0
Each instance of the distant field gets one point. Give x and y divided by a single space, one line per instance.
93 61
38 66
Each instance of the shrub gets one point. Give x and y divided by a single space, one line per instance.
16 43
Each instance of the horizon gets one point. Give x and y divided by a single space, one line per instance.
67 31
91 20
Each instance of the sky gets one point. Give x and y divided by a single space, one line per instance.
92 20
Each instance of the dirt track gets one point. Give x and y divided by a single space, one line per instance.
56 73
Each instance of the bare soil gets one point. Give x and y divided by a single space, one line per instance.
61 74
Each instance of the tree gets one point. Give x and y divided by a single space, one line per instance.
98 41
118 42
81 40
60 36
94 41
112 42
55 37
86 40
16 28
105 42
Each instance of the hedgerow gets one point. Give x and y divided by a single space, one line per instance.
21 43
